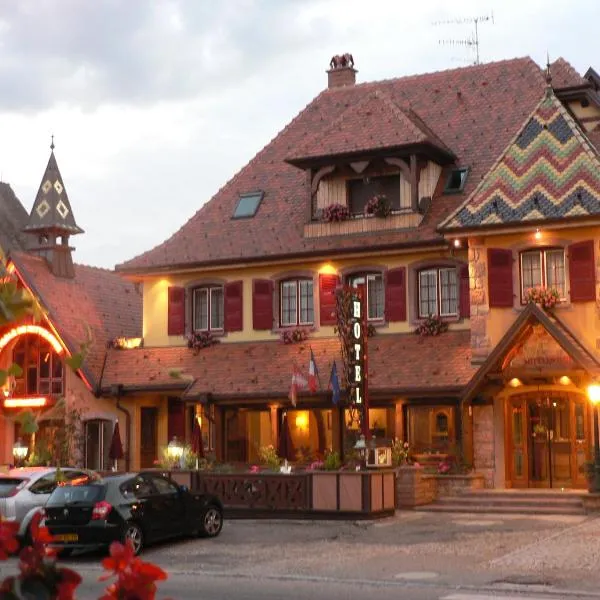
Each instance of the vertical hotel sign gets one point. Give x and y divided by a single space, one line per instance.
358 385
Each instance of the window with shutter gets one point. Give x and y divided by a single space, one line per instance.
395 294
208 308
438 293
500 278
543 268
582 276
176 311
234 306
296 302
373 282
327 298
262 304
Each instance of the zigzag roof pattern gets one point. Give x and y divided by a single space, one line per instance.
549 171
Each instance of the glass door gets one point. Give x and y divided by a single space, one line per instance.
517 442
539 443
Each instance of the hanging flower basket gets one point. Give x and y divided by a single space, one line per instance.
432 325
378 206
335 213
547 298
293 336
201 339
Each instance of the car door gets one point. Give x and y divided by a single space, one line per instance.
171 506
149 514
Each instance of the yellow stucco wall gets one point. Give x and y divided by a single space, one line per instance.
590 113
155 292
581 317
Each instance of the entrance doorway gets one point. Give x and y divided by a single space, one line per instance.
148 437
548 436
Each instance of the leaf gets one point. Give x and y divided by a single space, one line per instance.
15 370
3 377
75 361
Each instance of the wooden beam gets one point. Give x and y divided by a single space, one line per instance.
322 172
359 167
398 162
414 182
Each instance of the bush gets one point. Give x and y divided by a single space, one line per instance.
332 461
267 455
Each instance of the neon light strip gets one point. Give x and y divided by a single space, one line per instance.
37 330
25 402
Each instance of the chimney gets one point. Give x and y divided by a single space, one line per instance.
341 71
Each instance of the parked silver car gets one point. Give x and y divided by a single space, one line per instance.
25 490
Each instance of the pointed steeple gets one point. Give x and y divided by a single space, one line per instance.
52 218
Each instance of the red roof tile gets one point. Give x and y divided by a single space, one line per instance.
474 111
374 122
397 363
564 75
94 298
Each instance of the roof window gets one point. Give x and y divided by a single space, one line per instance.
456 180
248 205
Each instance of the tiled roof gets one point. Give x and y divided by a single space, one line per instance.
97 299
549 171
374 122
564 75
13 217
397 363
475 111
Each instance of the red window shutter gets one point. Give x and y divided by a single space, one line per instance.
176 311
395 294
234 306
176 419
262 304
582 276
500 277
465 297
327 298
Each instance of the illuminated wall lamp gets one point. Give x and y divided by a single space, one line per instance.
302 420
538 234
25 402
564 380
515 382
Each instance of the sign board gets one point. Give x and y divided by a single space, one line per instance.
358 383
540 351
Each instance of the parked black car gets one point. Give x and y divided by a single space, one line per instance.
141 507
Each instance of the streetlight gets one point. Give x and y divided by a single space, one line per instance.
175 451
594 396
19 451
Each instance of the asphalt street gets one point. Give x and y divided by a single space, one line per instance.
412 555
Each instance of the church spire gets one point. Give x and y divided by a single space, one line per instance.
52 218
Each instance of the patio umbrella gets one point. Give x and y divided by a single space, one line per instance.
285 447
197 445
116 447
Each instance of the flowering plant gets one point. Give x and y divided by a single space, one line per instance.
432 325
400 452
200 339
293 336
316 465
444 467
336 212
546 297
379 206
268 456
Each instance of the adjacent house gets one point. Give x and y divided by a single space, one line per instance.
78 310
465 203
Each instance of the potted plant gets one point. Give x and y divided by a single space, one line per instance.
378 206
547 298
432 325
335 213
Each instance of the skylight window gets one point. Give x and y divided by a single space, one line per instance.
456 180
247 205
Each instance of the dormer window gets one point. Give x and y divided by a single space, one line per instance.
456 181
248 205
360 191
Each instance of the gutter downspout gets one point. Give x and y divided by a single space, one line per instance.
118 394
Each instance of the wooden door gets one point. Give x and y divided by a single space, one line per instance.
517 459
582 439
148 437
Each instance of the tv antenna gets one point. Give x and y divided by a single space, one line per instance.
472 41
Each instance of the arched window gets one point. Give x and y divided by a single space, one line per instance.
296 304
42 368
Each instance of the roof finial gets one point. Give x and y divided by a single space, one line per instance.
548 74
52 143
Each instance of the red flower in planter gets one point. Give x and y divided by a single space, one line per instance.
8 538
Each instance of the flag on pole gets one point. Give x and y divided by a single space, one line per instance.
334 382
298 382
313 374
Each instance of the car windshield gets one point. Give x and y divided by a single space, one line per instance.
9 484
79 494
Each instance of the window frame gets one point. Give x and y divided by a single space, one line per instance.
456 190
26 345
208 290
366 275
438 291
297 281
259 195
543 251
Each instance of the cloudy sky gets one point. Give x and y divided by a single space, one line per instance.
155 104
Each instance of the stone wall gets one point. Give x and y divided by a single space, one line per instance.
483 442
413 487
455 485
480 342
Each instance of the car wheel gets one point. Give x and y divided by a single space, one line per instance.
133 533
212 522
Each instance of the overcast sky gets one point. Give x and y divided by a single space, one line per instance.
155 104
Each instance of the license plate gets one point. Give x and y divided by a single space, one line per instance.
66 537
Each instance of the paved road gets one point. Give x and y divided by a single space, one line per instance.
412 555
